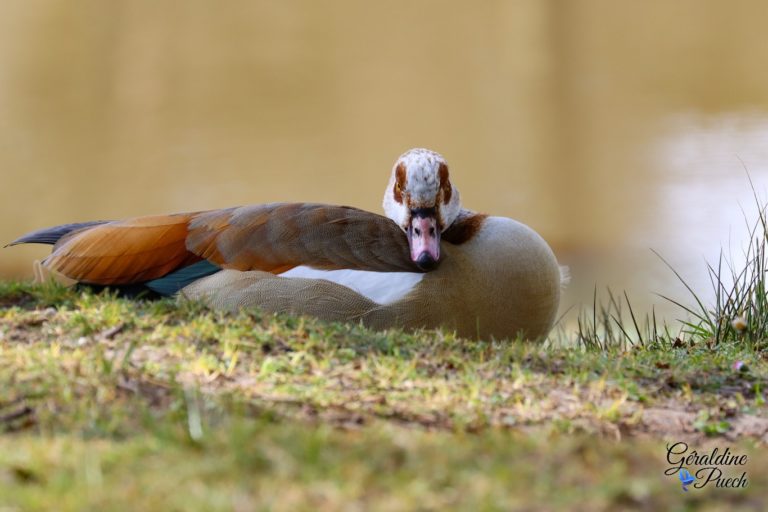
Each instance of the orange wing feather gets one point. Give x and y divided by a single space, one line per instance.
124 252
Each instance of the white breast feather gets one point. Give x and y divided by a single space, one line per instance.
381 287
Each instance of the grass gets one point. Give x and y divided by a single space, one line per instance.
111 403
108 403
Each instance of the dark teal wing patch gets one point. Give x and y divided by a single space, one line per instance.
171 283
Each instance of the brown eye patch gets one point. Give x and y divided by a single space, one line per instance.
445 184
399 182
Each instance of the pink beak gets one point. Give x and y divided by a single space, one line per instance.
424 239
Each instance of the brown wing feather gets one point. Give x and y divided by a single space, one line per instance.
124 252
272 238
277 237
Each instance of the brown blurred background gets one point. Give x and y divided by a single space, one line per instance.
611 127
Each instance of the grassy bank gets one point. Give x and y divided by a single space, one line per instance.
111 403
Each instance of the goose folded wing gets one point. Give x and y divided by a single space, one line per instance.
271 238
277 237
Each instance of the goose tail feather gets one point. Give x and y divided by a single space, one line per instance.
52 235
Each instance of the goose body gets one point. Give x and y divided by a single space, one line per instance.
428 263
501 283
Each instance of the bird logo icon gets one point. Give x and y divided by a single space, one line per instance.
686 478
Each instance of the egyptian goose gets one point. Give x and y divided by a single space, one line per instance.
492 276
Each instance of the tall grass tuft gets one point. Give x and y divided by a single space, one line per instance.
740 310
739 313
613 324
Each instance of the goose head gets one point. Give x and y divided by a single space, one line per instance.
422 201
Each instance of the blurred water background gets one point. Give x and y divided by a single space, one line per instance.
611 127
